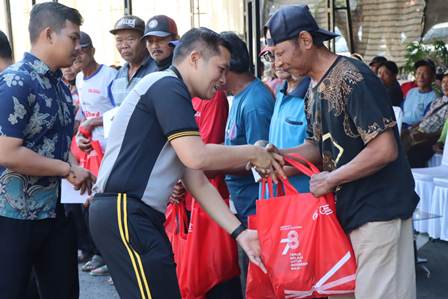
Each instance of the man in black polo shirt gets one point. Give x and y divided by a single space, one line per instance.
155 141
352 131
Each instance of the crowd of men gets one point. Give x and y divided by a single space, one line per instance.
173 131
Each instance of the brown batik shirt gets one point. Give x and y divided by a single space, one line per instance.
346 109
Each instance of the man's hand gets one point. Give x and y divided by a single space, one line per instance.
276 167
178 193
438 147
81 179
320 184
250 243
83 143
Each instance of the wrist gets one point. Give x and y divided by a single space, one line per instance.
238 230
257 150
67 169
332 180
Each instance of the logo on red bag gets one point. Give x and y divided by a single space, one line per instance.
325 210
292 241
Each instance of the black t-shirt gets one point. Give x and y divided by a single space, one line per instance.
395 94
345 110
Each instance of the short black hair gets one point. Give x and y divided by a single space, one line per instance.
240 59
202 39
53 15
425 62
378 60
391 66
5 47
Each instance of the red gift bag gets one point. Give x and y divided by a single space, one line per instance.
206 255
210 254
258 284
176 226
304 248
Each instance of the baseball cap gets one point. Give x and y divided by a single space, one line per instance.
129 23
378 60
161 26
287 22
84 40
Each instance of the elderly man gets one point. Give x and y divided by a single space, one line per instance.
128 32
352 131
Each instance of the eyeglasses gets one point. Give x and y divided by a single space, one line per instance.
267 56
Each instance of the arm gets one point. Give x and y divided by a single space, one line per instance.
308 150
15 157
196 155
214 205
379 152
92 123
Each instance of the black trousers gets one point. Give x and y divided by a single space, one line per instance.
47 246
132 240
80 216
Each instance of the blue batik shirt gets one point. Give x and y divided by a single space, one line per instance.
248 122
35 106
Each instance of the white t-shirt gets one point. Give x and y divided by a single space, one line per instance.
93 97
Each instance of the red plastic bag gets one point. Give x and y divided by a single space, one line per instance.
176 226
210 254
92 160
304 248
258 284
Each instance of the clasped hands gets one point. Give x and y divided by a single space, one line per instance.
320 184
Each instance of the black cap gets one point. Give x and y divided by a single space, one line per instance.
287 22
378 60
161 26
84 40
129 23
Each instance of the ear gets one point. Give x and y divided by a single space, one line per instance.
305 39
194 58
47 34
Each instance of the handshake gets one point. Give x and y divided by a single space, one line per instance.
268 161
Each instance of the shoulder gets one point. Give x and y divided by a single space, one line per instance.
162 86
258 93
413 91
16 80
109 71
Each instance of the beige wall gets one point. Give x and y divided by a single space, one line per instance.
100 16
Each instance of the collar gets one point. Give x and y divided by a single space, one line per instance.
165 63
40 67
176 71
147 60
300 90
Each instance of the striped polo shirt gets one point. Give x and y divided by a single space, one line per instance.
121 85
139 158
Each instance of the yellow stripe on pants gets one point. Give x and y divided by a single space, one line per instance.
139 260
123 239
